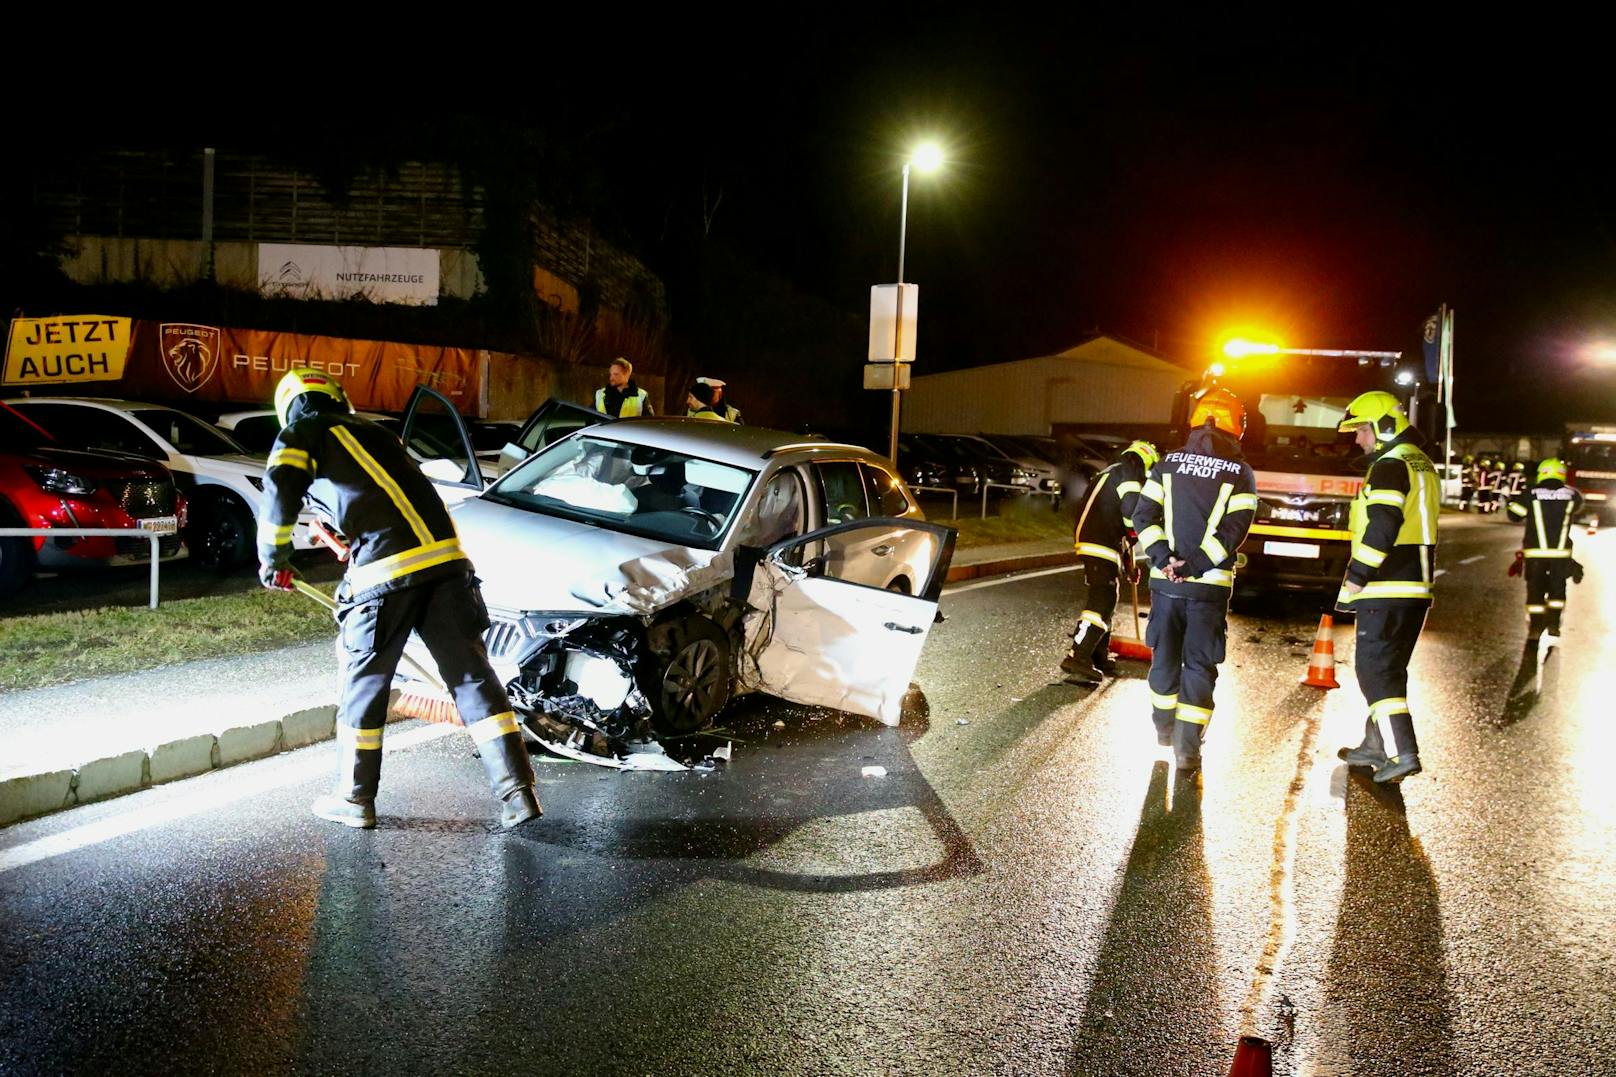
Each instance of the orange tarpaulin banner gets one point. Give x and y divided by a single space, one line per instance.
180 360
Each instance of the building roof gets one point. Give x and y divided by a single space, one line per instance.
1107 348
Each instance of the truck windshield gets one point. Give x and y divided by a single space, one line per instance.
1295 404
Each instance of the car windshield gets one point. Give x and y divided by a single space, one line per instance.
188 435
638 489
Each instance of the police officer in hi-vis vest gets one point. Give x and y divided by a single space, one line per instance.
621 398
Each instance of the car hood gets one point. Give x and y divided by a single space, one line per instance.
97 464
529 561
245 466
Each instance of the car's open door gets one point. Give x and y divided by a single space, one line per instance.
436 437
550 422
825 630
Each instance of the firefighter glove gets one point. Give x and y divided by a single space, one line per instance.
275 578
1515 565
1576 571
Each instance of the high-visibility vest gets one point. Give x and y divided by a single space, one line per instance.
633 406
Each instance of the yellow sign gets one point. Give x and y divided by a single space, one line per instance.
65 349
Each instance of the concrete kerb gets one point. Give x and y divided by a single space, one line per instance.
28 795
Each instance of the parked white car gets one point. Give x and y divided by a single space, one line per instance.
220 479
641 573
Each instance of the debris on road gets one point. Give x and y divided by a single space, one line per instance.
967 721
875 772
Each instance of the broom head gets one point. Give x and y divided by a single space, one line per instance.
1123 647
427 703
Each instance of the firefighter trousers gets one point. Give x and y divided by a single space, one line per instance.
1385 638
1545 594
1093 631
449 615
1187 638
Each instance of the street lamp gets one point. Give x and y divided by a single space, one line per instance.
926 159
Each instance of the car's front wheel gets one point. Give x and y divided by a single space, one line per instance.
693 680
221 533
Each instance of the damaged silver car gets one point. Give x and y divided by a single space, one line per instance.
641 574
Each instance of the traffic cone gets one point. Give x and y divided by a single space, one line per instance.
1321 667
1253 1057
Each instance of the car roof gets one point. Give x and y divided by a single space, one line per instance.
102 402
726 443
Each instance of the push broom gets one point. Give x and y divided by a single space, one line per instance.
1135 648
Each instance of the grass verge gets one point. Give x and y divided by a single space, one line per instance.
1030 523
55 648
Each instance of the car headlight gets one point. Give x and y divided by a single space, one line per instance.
56 481
548 625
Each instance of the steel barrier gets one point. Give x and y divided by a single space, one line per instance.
950 491
95 532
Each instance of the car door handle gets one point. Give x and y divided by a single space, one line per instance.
911 629
882 550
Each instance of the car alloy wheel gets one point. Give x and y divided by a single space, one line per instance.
695 681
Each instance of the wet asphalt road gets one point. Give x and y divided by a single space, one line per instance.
1032 892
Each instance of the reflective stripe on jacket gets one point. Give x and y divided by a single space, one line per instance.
1107 514
1197 506
1393 523
1548 509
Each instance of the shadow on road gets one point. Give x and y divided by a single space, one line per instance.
1155 981
1388 1006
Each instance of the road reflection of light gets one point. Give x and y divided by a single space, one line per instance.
1589 730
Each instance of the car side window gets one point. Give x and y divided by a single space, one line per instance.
92 428
842 487
885 491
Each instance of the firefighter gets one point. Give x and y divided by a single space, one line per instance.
621 397
1102 540
1192 515
1467 483
1494 484
1388 580
406 573
1548 508
1516 482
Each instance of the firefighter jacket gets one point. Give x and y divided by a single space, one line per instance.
1107 515
1548 509
629 402
398 531
1393 526
1196 506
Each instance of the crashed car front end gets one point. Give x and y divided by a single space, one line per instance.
576 678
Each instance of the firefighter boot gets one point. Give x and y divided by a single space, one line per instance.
1102 657
1079 664
359 770
509 770
1393 771
1370 753
357 812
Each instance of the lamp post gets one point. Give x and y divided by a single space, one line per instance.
928 158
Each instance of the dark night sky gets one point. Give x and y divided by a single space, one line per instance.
1333 188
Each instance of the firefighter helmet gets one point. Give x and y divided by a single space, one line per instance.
1498 465
302 379
1379 409
1519 465
1222 408
1146 453
1552 468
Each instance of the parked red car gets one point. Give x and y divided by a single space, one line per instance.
44 485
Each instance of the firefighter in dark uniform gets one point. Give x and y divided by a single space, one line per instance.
1467 483
1388 580
1548 507
1192 515
1516 482
1102 540
1492 486
406 572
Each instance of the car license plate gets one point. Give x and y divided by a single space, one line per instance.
163 525
1291 549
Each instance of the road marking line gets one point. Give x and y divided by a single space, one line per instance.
194 803
1473 560
960 588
